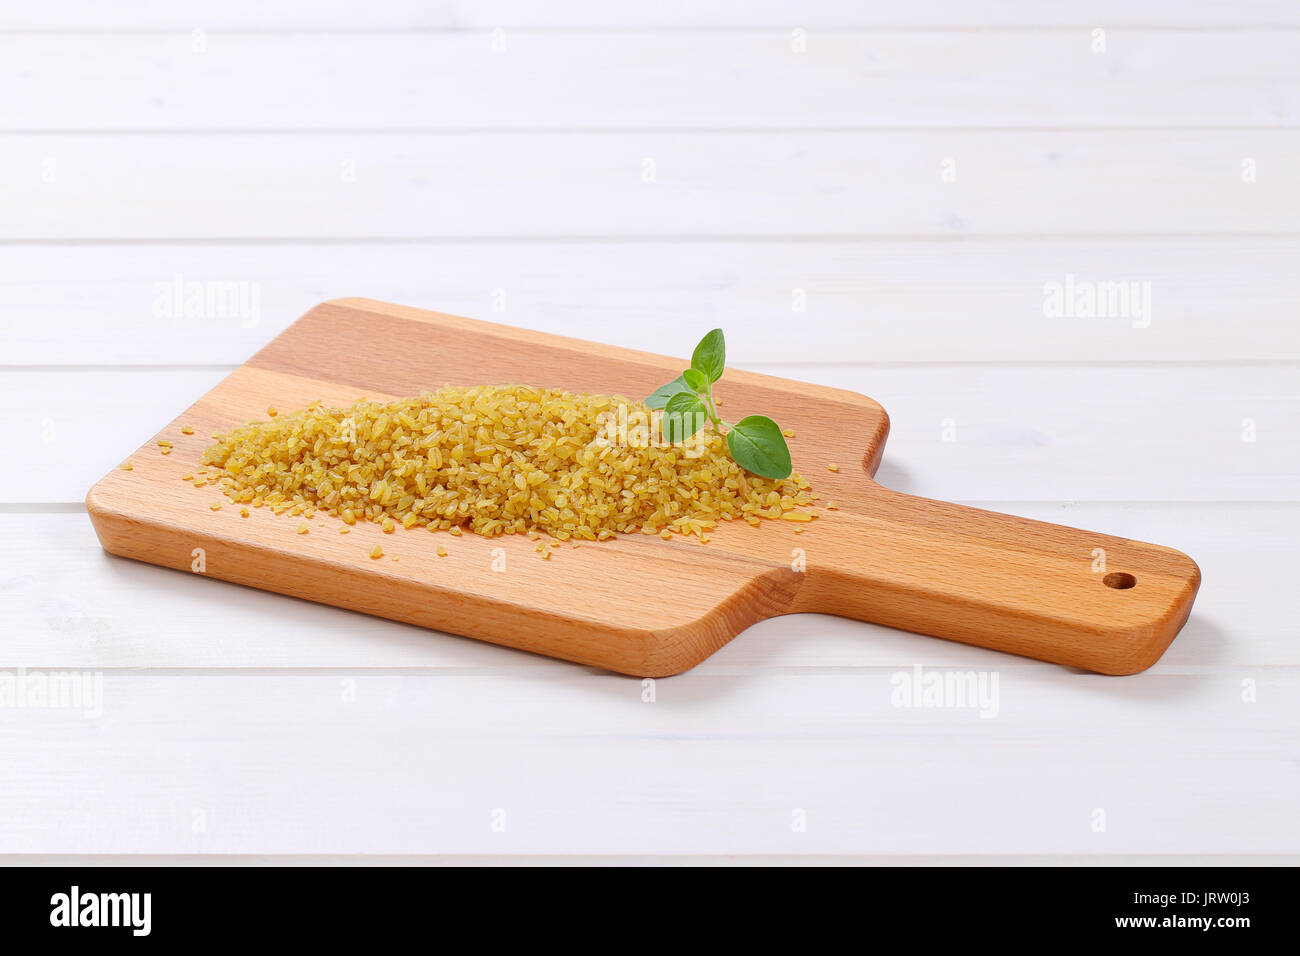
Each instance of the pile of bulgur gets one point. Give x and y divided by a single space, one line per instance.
494 460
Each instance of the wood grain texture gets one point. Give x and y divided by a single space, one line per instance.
412 764
738 79
752 184
779 15
965 299
640 605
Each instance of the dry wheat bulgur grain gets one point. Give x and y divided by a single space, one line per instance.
187 430
376 552
832 467
493 460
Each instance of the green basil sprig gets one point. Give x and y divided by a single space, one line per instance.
755 442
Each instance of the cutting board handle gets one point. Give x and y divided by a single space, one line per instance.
1046 591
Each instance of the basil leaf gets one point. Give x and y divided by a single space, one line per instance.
757 445
710 356
684 415
659 397
696 380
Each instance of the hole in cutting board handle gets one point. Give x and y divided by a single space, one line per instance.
1120 580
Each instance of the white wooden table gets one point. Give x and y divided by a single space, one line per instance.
898 183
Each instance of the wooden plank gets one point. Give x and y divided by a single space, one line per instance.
74 607
60 418
693 79
1113 433
580 764
716 185
584 14
1109 433
880 301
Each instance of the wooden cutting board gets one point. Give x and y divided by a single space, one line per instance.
638 605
